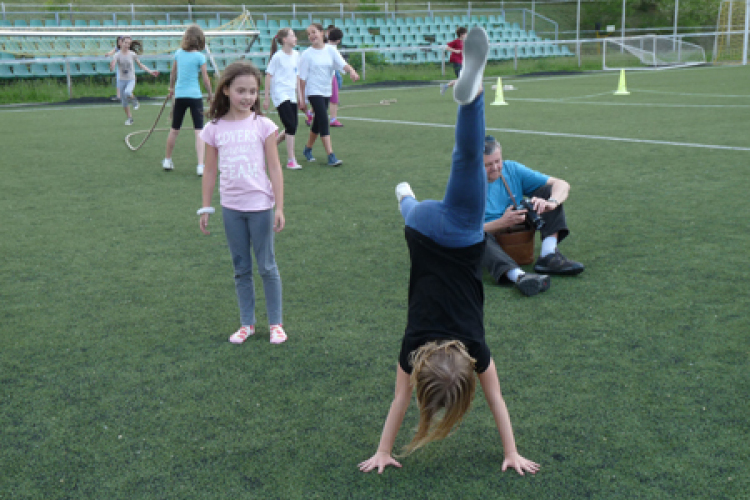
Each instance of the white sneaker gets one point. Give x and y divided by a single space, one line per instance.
403 190
129 121
476 48
167 164
293 165
199 170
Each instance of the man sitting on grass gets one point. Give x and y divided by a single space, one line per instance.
546 195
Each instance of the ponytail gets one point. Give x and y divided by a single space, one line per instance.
277 40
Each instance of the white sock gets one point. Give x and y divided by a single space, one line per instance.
549 245
514 274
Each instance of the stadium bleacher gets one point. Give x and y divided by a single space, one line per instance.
419 39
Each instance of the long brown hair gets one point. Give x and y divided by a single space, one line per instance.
320 28
220 103
193 38
277 39
444 380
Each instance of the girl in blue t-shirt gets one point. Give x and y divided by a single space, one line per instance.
184 85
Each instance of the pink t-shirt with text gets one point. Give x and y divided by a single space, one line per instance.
243 179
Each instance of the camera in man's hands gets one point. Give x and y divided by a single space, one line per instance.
531 216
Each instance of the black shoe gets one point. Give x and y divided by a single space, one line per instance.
530 284
556 263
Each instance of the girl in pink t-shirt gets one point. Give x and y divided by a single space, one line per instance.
241 147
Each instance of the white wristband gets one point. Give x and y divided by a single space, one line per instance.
206 210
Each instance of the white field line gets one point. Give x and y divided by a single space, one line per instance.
569 100
559 134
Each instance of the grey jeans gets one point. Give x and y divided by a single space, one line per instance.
248 231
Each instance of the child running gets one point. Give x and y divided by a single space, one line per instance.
241 146
125 61
117 75
444 341
335 36
282 84
456 59
188 63
316 69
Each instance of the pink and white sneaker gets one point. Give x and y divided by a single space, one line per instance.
309 119
278 335
242 334
336 123
293 165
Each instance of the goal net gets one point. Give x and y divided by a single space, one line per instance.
730 31
86 47
651 52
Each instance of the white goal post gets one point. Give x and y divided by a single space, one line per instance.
650 52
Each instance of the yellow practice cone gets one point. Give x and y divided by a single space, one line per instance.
499 99
622 89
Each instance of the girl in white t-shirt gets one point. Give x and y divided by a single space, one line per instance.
241 147
316 69
282 85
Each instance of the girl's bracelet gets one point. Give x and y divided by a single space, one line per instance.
206 210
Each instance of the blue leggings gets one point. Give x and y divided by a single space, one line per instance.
458 220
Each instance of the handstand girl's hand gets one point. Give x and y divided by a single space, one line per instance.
380 461
204 224
516 461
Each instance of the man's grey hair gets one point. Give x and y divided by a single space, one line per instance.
490 145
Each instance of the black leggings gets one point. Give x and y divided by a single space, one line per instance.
320 108
288 115
182 104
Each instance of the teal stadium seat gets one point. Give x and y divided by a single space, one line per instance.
21 70
20 23
94 23
38 70
6 71
102 68
50 23
57 69
36 23
81 23
86 68
65 23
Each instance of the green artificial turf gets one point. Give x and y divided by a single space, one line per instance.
628 381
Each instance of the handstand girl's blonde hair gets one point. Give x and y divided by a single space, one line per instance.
443 376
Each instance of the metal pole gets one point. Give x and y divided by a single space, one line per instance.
622 48
744 41
578 32
363 65
676 15
533 12
70 86
729 23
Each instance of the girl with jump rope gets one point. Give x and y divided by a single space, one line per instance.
316 68
282 85
189 62
241 146
117 75
444 343
125 61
